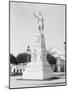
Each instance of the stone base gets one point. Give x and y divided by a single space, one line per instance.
38 70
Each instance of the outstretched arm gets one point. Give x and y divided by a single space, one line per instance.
35 15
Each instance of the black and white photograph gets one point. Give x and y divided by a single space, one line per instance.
37 44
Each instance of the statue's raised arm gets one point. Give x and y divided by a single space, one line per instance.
36 16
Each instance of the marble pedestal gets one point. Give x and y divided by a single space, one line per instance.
39 69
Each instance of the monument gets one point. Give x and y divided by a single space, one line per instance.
40 68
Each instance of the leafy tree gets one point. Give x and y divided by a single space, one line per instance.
51 59
23 57
13 59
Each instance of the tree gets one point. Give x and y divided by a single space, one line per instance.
23 57
51 59
13 59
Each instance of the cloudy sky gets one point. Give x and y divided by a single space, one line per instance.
23 26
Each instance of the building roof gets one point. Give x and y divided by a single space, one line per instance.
28 48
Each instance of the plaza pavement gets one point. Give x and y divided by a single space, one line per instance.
19 82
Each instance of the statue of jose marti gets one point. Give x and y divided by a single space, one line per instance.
40 21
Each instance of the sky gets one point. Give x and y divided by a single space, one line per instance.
23 26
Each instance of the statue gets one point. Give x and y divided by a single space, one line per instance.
39 68
40 21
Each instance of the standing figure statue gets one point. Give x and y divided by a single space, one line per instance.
40 21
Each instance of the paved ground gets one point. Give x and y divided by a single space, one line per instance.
18 82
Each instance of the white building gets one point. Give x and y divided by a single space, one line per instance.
60 59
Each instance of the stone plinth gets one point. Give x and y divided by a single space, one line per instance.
40 69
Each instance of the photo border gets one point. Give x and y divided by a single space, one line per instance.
65 42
